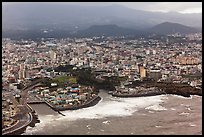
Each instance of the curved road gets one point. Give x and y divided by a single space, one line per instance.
25 116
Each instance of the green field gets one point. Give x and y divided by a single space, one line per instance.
61 80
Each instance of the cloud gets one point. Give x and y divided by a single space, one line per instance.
182 7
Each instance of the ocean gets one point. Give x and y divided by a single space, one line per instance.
152 115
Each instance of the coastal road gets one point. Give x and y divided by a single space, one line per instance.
23 122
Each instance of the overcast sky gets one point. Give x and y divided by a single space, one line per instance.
181 7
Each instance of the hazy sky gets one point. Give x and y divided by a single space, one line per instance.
181 7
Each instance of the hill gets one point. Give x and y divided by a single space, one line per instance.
37 16
110 30
171 28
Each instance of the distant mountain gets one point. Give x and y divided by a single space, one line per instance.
171 28
28 16
34 34
110 30
36 20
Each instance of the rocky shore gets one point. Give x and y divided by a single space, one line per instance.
161 88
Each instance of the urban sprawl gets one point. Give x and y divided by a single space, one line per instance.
172 58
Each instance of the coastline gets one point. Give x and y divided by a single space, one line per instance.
137 95
161 88
143 121
20 129
90 103
153 94
34 118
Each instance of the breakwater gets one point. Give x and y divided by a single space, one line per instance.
89 103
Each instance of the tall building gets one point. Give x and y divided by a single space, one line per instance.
23 72
187 61
53 55
155 74
22 66
142 71
20 74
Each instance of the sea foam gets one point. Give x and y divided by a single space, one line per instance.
111 107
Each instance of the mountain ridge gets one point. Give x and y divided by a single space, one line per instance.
104 30
110 30
171 28
70 17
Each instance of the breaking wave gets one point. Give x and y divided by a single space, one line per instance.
107 107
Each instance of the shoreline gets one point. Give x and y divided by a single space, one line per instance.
162 88
34 117
136 95
90 103
20 129
143 121
187 95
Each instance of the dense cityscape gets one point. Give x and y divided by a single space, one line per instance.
135 60
148 79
